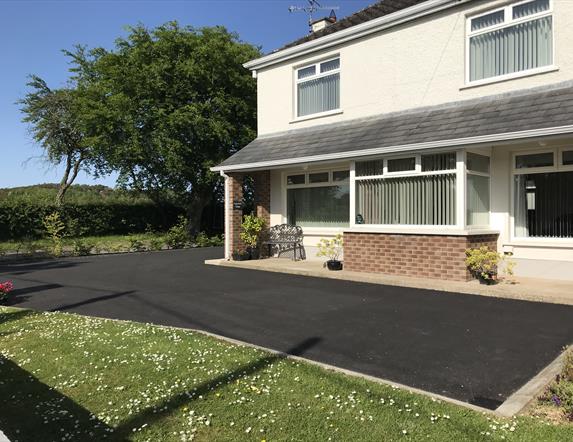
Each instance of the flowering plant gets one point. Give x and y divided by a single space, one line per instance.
5 289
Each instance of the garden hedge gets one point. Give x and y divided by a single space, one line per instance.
19 220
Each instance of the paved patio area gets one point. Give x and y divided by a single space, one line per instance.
473 348
528 289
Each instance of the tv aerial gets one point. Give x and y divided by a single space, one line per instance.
312 7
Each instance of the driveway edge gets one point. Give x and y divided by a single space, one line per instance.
515 403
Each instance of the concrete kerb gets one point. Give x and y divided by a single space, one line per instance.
525 395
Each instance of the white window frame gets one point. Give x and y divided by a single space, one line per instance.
478 173
557 167
508 22
317 74
458 170
306 184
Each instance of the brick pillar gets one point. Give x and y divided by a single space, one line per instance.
262 200
262 184
234 216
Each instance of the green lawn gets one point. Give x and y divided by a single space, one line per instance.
68 377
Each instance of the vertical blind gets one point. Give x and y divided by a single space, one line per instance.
477 200
544 205
421 200
515 48
319 95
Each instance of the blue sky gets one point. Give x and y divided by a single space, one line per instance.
33 33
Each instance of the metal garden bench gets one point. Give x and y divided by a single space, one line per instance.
284 235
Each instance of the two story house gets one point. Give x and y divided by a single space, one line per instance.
419 129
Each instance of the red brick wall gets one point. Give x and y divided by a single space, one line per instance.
427 256
262 200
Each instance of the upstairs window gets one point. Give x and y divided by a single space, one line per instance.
318 88
512 39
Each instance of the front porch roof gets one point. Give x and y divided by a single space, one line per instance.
537 112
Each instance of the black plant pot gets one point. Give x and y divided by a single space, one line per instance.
241 256
334 264
491 279
254 253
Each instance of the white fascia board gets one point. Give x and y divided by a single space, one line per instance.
494 138
354 32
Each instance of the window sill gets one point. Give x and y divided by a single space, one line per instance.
421 230
319 115
549 243
514 76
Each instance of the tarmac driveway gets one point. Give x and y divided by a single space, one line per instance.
472 348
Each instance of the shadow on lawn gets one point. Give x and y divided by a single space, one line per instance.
163 409
32 411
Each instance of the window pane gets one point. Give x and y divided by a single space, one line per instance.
485 21
513 49
340 175
370 168
478 200
306 72
534 160
327 206
321 177
477 163
530 8
402 164
330 65
568 158
544 205
439 161
419 200
319 95
295 179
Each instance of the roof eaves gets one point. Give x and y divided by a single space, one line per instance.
353 32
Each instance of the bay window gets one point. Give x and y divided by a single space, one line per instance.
319 199
477 190
515 38
318 88
543 194
414 190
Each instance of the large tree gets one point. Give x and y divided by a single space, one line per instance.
54 123
166 105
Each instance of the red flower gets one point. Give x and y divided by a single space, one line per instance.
6 287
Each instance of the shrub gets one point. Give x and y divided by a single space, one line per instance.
251 229
177 236
22 219
82 247
55 228
156 243
482 262
330 248
5 289
203 240
135 244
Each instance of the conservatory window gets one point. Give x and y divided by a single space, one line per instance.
319 199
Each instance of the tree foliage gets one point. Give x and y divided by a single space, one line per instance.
55 123
167 104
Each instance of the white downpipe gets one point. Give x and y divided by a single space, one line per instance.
227 214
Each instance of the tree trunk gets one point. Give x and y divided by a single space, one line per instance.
199 201
70 174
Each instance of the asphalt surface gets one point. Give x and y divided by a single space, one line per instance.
476 349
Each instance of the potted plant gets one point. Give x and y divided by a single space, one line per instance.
331 249
5 289
252 227
241 255
483 264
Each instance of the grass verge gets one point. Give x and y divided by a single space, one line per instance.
70 377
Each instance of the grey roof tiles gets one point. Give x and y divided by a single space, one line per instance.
538 108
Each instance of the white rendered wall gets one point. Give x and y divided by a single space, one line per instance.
417 64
